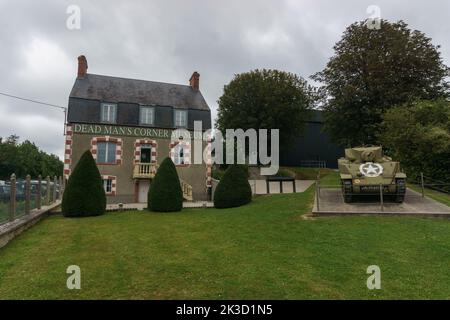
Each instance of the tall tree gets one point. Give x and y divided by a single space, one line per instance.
418 135
266 99
373 70
26 158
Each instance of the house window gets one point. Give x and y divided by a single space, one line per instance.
180 118
146 153
178 155
107 185
109 111
106 152
147 115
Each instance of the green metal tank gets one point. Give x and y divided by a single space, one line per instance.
364 169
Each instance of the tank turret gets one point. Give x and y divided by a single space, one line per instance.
364 169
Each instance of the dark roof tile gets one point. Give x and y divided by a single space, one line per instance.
114 89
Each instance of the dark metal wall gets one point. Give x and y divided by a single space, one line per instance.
311 145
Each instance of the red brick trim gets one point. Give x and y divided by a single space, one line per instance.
117 141
186 152
113 185
208 162
68 151
137 150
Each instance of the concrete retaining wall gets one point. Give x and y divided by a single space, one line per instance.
10 230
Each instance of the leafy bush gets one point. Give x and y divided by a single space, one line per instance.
84 195
233 189
418 135
165 193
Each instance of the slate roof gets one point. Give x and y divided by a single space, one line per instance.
115 89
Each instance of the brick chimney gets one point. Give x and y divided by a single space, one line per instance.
82 66
194 81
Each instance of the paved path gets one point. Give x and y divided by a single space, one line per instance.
143 206
260 187
332 203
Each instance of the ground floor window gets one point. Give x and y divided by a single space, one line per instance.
109 185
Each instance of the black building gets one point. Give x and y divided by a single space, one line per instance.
312 148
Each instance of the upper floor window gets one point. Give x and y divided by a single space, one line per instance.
147 115
106 152
109 112
180 118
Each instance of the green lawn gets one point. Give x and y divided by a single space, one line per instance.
260 251
433 194
328 177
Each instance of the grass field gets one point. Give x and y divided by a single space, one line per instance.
260 251
328 177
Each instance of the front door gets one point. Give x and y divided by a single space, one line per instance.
146 154
144 185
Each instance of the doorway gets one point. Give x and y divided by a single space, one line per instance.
144 185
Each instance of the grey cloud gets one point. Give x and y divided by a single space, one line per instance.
167 41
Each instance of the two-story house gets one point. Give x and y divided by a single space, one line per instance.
127 124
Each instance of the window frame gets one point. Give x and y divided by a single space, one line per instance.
107 143
178 152
152 108
105 185
113 106
182 111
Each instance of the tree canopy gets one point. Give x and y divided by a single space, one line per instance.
373 70
418 135
26 158
266 99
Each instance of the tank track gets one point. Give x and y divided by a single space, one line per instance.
347 190
401 190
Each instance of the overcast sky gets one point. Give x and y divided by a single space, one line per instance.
166 40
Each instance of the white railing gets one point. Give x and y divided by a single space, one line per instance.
144 170
187 190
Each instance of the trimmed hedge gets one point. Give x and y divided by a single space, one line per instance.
84 194
233 189
165 194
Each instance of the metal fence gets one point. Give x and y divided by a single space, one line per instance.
313 164
19 197
328 195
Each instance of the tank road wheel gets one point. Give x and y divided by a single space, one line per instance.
347 190
401 190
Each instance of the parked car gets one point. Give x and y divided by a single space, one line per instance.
5 193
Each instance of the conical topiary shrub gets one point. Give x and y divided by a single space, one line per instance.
233 189
165 193
84 194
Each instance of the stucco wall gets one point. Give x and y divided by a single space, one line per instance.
193 174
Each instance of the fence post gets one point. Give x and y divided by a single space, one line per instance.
60 188
55 183
39 193
422 185
381 197
63 184
27 193
12 198
318 193
47 191
318 180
